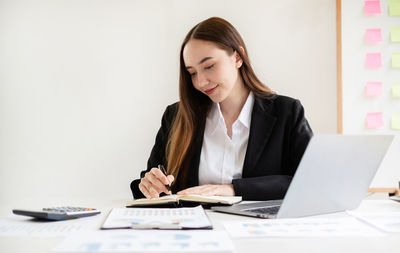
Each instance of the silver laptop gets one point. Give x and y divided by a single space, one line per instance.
333 175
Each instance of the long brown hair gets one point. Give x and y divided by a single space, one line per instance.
194 105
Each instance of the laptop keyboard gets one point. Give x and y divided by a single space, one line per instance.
264 210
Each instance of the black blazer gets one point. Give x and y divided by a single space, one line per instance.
279 134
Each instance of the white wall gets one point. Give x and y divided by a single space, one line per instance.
83 84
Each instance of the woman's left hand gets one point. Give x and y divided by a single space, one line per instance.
210 190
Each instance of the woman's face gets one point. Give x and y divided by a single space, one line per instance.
213 71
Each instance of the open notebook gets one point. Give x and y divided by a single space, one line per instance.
184 200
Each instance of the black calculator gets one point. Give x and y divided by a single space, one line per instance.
58 213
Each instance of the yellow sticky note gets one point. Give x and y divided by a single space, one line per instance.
394 7
395 34
395 122
396 90
396 60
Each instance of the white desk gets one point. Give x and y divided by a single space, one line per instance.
390 243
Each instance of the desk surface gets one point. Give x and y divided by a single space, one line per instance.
387 244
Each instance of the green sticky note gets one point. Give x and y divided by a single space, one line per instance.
396 90
395 34
395 122
396 60
394 7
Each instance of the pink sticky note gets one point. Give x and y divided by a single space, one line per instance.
373 89
373 35
373 60
372 7
374 119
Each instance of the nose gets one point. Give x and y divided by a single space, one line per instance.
202 80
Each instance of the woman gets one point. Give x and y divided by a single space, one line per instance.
229 134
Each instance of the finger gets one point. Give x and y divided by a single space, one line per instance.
211 191
154 182
204 190
207 189
144 190
219 190
163 180
152 189
191 190
216 190
183 192
158 174
170 179
153 193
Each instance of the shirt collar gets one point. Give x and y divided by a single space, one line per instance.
245 114
215 116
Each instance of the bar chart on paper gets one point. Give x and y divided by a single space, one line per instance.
147 241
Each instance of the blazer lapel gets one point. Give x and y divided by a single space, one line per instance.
261 127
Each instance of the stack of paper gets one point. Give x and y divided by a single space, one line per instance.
301 227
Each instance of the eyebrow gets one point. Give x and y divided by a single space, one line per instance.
200 62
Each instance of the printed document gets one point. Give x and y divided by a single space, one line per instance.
19 226
130 240
385 221
300 227
162 218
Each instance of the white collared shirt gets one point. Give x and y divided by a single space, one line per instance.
222 158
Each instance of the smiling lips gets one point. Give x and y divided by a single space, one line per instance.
210 91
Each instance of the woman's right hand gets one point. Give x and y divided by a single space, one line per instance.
153 183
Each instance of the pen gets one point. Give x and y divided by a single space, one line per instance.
161 167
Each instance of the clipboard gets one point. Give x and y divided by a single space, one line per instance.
157 225
157 218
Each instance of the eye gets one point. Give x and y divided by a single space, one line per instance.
209 67
192 74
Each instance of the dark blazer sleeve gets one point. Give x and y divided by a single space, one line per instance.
272 174
157 155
